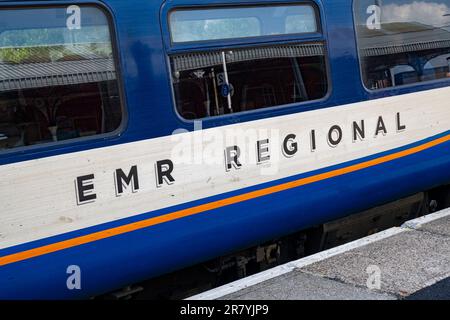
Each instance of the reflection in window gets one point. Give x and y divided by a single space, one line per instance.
222 82
403 74
300 23
57 82
402 41
226 23
194 30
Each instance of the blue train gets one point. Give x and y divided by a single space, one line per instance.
141 137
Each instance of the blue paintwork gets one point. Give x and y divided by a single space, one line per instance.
143 42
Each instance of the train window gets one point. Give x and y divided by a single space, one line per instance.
224 23
57 75
220 82
402 41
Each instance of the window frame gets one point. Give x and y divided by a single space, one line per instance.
240 43
429 84
58 145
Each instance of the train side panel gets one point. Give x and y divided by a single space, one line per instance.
156 211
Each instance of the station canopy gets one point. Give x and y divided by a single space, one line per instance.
36 67
190 61
401 37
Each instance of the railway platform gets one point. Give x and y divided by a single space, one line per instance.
407 262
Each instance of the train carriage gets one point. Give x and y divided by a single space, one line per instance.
141 137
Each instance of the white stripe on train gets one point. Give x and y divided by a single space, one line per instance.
41 198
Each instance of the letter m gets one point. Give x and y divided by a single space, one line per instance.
123 180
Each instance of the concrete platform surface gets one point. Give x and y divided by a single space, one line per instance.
408 262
